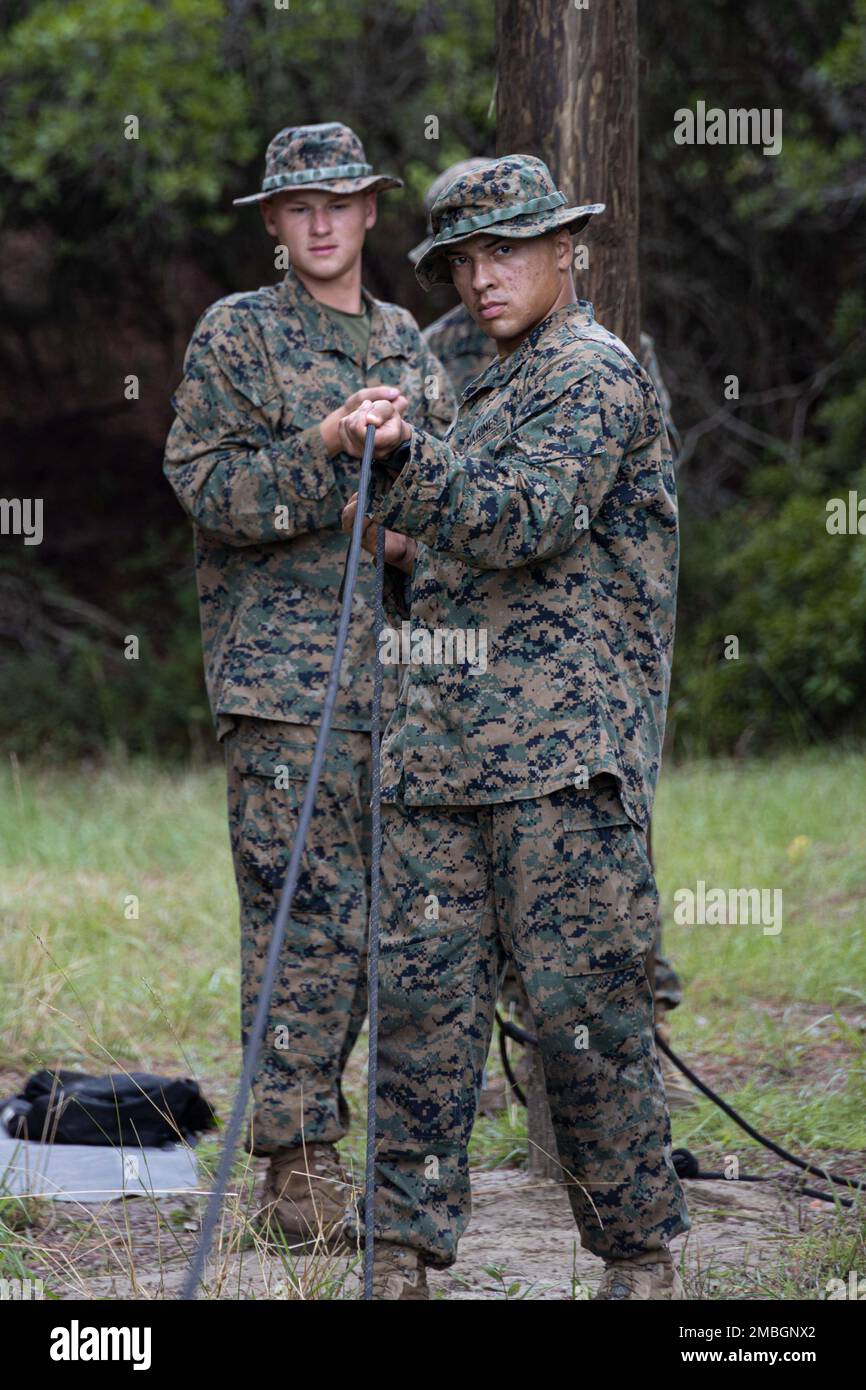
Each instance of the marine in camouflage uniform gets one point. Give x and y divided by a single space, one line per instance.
465 350
518 793
248 461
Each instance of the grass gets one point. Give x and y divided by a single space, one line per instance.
780 1021
119 918
120 949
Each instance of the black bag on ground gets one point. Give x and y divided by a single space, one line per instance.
131 1108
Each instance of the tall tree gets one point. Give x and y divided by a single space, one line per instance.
567 91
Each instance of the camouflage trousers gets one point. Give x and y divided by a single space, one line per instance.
320 997
562 885
667 989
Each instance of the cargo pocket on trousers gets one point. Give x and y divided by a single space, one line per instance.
272 799
610 890
612 1086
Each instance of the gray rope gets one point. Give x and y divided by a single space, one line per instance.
190 1288
373 946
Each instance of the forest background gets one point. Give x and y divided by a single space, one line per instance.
752 267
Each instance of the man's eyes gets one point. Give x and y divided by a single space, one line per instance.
461 260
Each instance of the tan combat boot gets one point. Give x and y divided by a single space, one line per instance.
398 1273
306 1195
648 1276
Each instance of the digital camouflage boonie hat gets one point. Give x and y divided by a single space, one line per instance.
439 184
328 156
510 197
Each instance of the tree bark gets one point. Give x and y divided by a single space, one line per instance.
567 91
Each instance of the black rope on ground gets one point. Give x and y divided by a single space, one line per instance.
684 1161
233 1129
750 1129
687 1166
373 944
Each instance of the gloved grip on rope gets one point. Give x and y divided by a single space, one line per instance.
254 1040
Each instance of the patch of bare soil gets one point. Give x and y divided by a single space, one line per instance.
520 1243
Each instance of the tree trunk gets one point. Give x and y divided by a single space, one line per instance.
567 91
543 1152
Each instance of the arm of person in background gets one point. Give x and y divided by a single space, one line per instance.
234 473
523 499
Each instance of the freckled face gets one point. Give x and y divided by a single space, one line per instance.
324 232
511 284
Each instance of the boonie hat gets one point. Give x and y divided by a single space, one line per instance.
328 156
513 197
439 184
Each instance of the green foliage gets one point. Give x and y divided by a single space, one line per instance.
209 84
90 700
72 75
752 265
784 236
795 598
69 689
768 571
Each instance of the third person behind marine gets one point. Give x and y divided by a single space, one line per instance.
517 798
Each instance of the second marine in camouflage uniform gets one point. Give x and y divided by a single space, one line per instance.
465 351
248 460
518 795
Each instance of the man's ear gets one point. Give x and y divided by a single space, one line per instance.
563 249
370 210
268 217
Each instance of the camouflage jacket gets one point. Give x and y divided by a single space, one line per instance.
548 521
461 346
246 458
465 351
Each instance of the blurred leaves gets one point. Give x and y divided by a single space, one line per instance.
209 83
72 75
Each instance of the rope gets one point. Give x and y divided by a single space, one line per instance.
684 1161
507 1029
233 1129
750 1129
373 946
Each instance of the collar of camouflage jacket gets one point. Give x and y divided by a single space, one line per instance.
325 334
502 369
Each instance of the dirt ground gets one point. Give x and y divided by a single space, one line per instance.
521 1243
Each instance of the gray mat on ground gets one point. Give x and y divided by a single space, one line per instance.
91 1173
